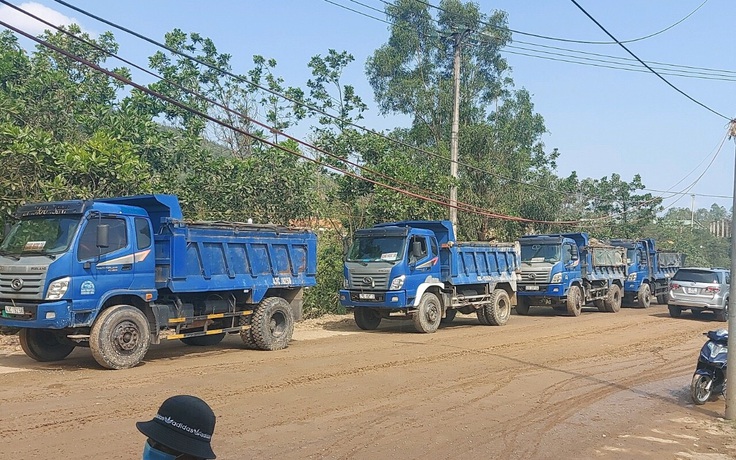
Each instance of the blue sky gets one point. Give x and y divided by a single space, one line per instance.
602 120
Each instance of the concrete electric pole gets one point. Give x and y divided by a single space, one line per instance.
731 361
458 38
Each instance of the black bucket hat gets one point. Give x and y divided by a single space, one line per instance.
183 423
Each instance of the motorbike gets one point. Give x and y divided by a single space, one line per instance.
709 379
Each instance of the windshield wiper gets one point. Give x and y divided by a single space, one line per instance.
9 254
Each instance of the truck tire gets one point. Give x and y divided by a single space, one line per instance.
522 306
367 319
449 316
628 299
600 304
662 299
203 340
675 311
482 318
722 314
613 299
644 296
498 309
428 314
120 337
574 301
44 345
272 324
246 335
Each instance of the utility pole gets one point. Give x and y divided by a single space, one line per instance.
692 212
458 37
731 360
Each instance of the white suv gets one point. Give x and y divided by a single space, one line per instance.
700 289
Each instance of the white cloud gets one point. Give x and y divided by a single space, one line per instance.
30 25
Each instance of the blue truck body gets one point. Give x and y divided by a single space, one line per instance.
649 271
78 273
567 271
416 270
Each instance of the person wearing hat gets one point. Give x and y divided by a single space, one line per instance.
182 429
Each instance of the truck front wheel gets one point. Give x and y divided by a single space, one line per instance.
367 319
498 310
120 337
272 324
644 296
428 315
574 301
44 345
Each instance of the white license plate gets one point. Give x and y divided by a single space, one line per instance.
532 288
367 296
14 310
691 290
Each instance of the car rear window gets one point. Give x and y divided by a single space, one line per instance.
696 276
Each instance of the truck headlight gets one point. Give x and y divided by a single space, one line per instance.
397 283
631 277
58 288
556 278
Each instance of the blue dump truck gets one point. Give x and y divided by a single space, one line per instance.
118 274
416 270
567 271
649 271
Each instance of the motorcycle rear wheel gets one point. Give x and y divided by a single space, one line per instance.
700 389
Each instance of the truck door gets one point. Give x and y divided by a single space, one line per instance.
425 257
144 258
102 269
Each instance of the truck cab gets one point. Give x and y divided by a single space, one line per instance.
549 265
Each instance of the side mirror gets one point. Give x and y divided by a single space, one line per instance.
103 234
416 249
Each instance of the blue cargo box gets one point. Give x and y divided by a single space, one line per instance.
475 262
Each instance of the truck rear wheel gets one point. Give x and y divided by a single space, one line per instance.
449 316
44 345
120 337
522 306
272 324
247 334
613 299
644 296
574 301
662 299
600 304
498 309
428 314
367 319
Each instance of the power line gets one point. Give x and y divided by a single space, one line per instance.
647 65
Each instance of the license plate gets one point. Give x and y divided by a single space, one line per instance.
532 288
367 296
14 310
691 290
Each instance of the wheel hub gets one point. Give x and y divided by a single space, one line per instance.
126 336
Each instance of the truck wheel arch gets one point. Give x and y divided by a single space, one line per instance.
434 288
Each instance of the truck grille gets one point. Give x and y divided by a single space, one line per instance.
368 281
22 286
535 276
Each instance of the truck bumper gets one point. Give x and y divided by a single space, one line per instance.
386 299
51 315
544 290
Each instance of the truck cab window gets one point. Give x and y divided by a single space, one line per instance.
117 239
422 244
142 233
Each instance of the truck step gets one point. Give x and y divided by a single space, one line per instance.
210 332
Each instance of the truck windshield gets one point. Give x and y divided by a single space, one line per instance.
540 253
371 249
41 235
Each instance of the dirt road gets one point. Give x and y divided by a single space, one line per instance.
608 386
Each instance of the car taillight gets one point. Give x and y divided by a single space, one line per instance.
713 289
675 286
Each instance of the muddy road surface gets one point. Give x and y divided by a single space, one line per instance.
603 385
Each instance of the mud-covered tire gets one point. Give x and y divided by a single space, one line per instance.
203 340
246 335
600 304
675 311
44 345
699 391
522 306
644 296
574 301
498 309
367 319
722 314
272 324
120 337
662 299
428 314
613 299
449 316
482 318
